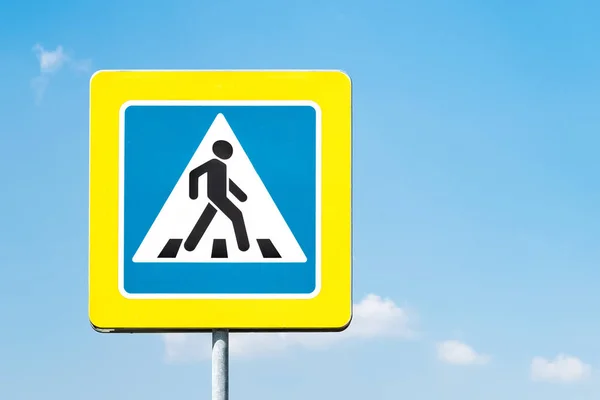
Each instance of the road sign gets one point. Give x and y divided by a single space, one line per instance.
220 199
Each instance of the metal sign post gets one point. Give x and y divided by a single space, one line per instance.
220 364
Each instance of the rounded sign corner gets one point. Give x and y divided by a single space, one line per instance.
344 75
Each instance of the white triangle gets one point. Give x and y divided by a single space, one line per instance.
179 214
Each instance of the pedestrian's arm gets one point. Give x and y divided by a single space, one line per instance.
195 174
237 192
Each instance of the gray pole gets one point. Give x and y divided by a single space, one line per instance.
220 364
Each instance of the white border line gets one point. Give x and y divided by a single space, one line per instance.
318 160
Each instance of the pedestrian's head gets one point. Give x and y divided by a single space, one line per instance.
222 149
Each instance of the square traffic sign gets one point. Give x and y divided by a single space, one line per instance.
220 199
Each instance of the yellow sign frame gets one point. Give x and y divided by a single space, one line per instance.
329 310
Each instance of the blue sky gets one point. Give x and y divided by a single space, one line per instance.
475 210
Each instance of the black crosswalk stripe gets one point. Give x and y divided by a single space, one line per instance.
219 248
171 248
267 248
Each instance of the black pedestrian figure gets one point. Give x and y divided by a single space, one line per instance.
217 187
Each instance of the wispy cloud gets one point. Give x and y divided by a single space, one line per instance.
458 353
374 317
50 62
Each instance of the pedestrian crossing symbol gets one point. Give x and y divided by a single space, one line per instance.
220 200
200 208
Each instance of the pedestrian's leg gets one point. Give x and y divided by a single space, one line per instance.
200 228
237 218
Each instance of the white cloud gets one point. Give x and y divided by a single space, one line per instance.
374 317
563 368
458 353
50 62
